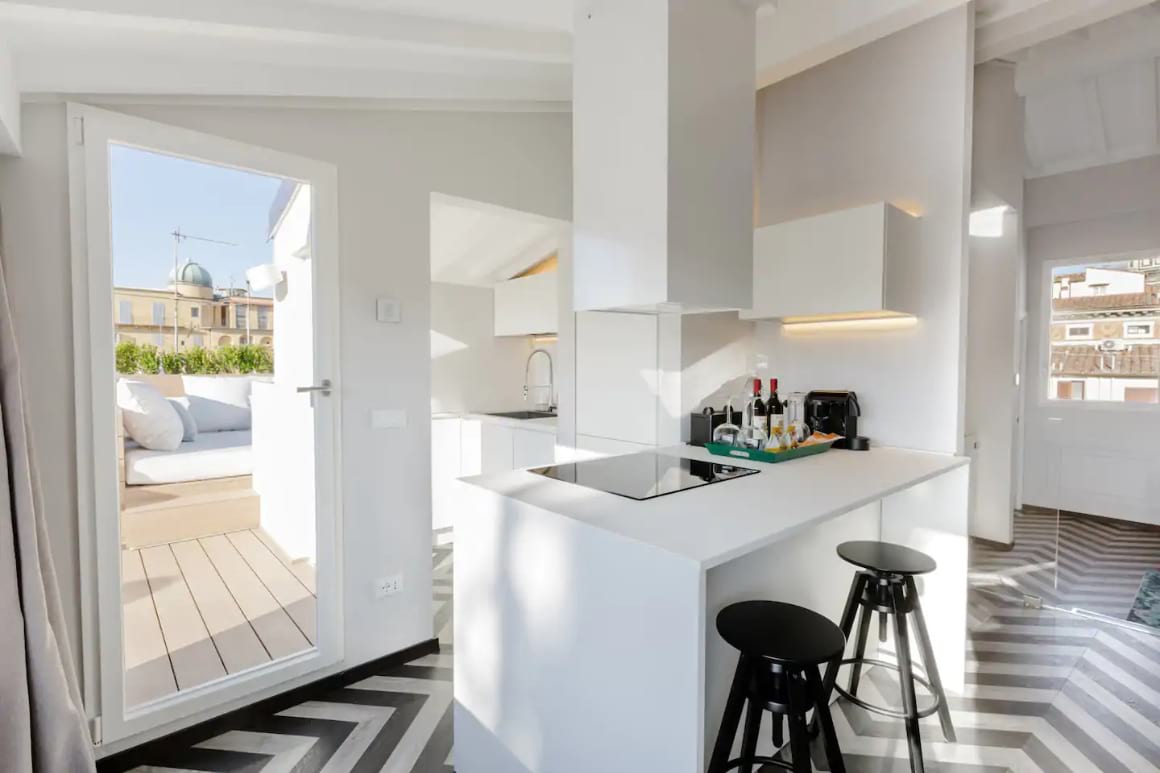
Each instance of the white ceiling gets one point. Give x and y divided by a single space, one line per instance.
456 50
1091 90
479 244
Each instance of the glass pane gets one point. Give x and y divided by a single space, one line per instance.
1102 334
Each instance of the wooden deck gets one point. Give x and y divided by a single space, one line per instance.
199 609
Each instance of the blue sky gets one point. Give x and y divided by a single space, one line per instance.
154 194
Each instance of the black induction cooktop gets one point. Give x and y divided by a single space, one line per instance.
642 476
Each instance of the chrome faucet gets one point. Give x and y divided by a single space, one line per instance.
551 385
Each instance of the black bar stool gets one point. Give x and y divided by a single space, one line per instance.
781 646
886 586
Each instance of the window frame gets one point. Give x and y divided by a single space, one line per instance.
1137 336
1088 336
1045 398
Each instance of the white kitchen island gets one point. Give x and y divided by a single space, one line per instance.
584 621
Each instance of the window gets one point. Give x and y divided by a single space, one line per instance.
125 312
194 313
1079 331
198 340
1138 330
263 317
240 316
1101 332
158 313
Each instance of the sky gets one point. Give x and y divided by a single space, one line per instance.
153 194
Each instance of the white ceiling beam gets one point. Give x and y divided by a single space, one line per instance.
1028 22
1126 40
1097 131
292 21
45 71
796 36
9 106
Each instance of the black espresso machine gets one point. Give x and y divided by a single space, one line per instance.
836 411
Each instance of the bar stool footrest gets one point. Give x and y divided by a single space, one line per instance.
757 760
886 710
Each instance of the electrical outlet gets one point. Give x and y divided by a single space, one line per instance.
388 586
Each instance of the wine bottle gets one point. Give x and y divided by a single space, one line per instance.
775 410
758 411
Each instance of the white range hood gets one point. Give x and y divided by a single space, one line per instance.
663 154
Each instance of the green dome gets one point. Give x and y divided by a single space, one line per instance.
193 274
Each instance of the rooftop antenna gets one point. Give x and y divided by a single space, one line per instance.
178 238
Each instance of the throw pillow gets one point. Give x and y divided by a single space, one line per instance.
149 418
189 426
219 403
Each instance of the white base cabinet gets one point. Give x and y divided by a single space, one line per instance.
461 447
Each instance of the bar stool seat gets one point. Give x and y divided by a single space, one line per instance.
781 633
886 558
781 646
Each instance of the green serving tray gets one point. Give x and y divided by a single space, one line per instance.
771 457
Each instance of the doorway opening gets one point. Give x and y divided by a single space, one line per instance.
218 576
205 276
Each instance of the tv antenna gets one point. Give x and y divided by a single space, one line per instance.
178 238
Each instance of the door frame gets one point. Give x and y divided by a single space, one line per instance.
98 509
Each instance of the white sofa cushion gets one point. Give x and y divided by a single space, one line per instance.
149 418
219 403
211 455
189 426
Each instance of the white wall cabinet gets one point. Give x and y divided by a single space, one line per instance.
527 306
850 262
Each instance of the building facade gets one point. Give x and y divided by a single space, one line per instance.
204 317
1105 333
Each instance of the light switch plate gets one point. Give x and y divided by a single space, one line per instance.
388 418
388 310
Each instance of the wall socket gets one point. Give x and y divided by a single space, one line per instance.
388 586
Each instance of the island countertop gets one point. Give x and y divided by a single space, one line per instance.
716 523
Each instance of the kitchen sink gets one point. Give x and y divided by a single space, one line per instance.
523 414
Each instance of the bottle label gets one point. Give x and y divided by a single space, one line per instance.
761 423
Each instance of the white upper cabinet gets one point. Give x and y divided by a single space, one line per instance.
852 262
527 305
663 155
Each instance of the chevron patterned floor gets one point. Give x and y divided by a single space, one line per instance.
1047 691
1100 562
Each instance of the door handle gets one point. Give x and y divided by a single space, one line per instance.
324 388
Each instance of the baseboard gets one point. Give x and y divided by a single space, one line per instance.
993 544
143 754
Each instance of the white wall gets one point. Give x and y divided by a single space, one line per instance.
994 303
889 121
389 163
472 369
717 362
1087 458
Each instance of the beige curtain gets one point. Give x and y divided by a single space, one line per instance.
42 722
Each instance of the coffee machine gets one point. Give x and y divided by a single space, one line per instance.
837 412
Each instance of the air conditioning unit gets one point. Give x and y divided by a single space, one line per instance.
1111 345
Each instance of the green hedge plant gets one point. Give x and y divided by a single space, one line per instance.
133 358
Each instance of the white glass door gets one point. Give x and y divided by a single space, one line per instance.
205 279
